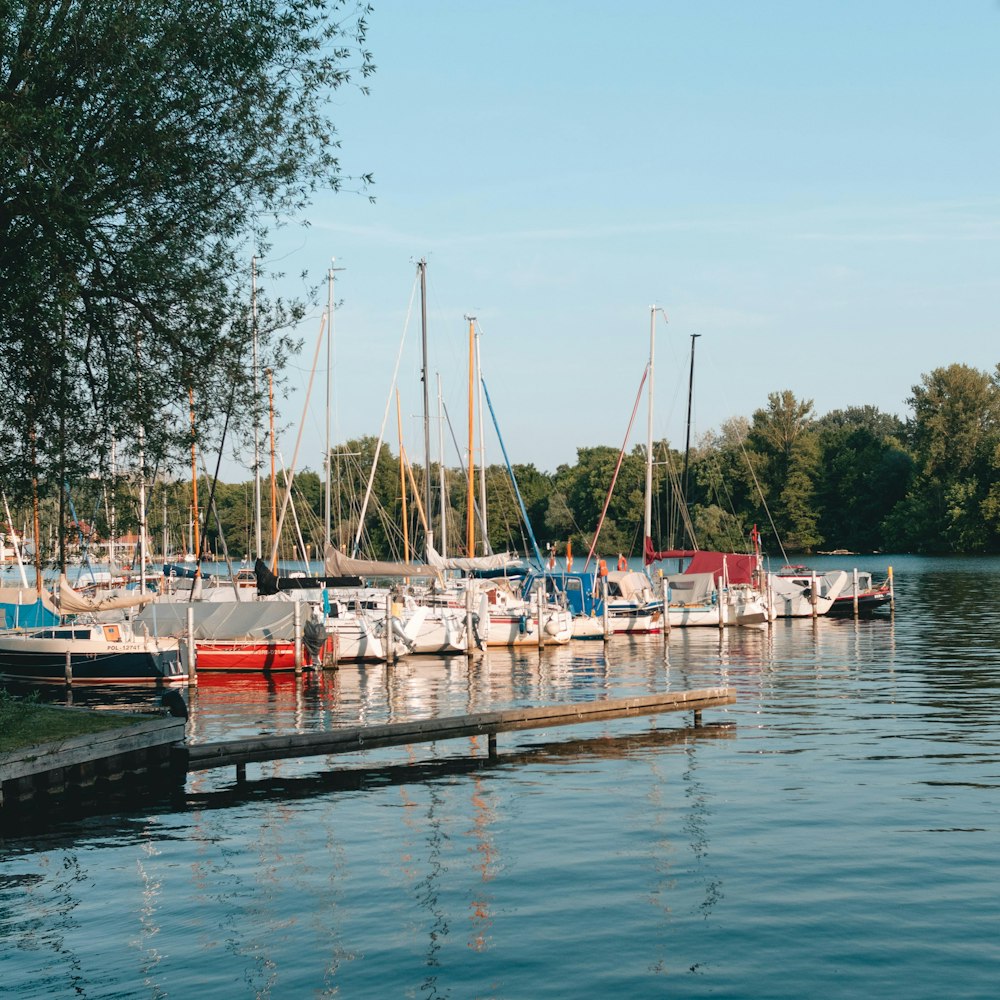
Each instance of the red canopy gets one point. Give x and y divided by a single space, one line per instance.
739 567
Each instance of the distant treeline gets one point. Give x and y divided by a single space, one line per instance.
855 479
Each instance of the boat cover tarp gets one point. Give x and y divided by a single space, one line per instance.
72 602
224 620
23 607
473 564
632 585
336 563
691 588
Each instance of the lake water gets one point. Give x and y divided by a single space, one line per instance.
835 833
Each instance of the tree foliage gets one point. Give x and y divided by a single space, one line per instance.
144 150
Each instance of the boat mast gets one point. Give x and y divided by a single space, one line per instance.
15 542
142 508
402 479
195 539
648 509
470 507
113 518
326 449
256 412
274 476
441 475
425 378
482 449
687 440
329 407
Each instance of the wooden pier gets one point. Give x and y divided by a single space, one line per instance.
90 766
239 753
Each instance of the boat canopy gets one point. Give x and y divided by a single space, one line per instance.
691 588
24 607
631 585
739 567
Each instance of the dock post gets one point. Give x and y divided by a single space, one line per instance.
697 717
491 743
470 638
389 651
813 596
604 602
69 669
192 653
297 619
666 610
241 774
892 593
855 598
541 608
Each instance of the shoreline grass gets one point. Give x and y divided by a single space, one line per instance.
24 722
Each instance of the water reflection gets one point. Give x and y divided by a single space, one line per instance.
866 754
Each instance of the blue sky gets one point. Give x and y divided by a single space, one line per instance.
813 188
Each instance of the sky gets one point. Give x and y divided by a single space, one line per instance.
812 188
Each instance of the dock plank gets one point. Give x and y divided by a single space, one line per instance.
204 756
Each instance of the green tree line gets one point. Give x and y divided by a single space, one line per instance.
855 479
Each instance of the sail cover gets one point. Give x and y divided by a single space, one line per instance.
474 564
72 602
339 564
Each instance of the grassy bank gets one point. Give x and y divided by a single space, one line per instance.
24 722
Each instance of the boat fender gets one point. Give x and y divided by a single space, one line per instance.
522 624
551 628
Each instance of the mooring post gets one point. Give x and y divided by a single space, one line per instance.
855 592
241 774
491 744
297 619
470 638
665 600
813 596
389 651
541 608
191 652
697 716
892 593
604 602
69 669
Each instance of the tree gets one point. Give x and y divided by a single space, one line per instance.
783 437
951 505
144 148
865 470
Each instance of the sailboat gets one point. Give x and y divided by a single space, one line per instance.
85 640
715 588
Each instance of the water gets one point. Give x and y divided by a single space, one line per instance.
834 833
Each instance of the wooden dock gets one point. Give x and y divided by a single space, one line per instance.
239 753
89 766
